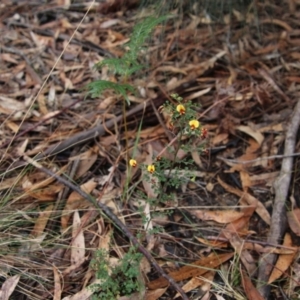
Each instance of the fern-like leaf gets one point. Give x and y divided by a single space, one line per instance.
140 33
116 65
128 64
97 87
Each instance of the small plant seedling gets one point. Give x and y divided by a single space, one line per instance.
166 174
121 280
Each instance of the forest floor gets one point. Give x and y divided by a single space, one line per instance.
231 227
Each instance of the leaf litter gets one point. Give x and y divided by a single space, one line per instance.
246 82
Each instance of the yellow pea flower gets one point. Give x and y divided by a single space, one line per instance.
181 109
133 162
151 168
194 124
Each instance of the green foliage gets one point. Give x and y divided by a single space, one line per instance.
140 33
128 64
121 280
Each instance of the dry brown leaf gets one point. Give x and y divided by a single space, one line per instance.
42 221
8 58
195 282
11 104
250 290
244 255
197 159
84 294
87 160
48 193
294 220
249 155
171 69
5 111
145 265
249 199
265 178
42 104
220 138
212 243
76 201
29 187
268 249
198 94
108 198
248 246
278 127
57 284
78 241
240 226
253 133
8 287
284 260
9 183
12 126
197 268
155 294
220 216
245 179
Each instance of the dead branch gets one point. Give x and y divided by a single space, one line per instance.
281 187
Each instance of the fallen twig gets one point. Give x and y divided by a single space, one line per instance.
113 218
278 221
244 162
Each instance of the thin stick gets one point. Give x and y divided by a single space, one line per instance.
113 218
244 162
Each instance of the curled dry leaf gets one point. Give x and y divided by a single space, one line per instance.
8 287
196 282
284 260
197 268
155 294
294 220
78 241
250 290
41 222
248 199
57 284
76 201
220 216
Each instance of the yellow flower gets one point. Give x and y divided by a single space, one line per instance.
151 168
133 162
194 124
181 109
